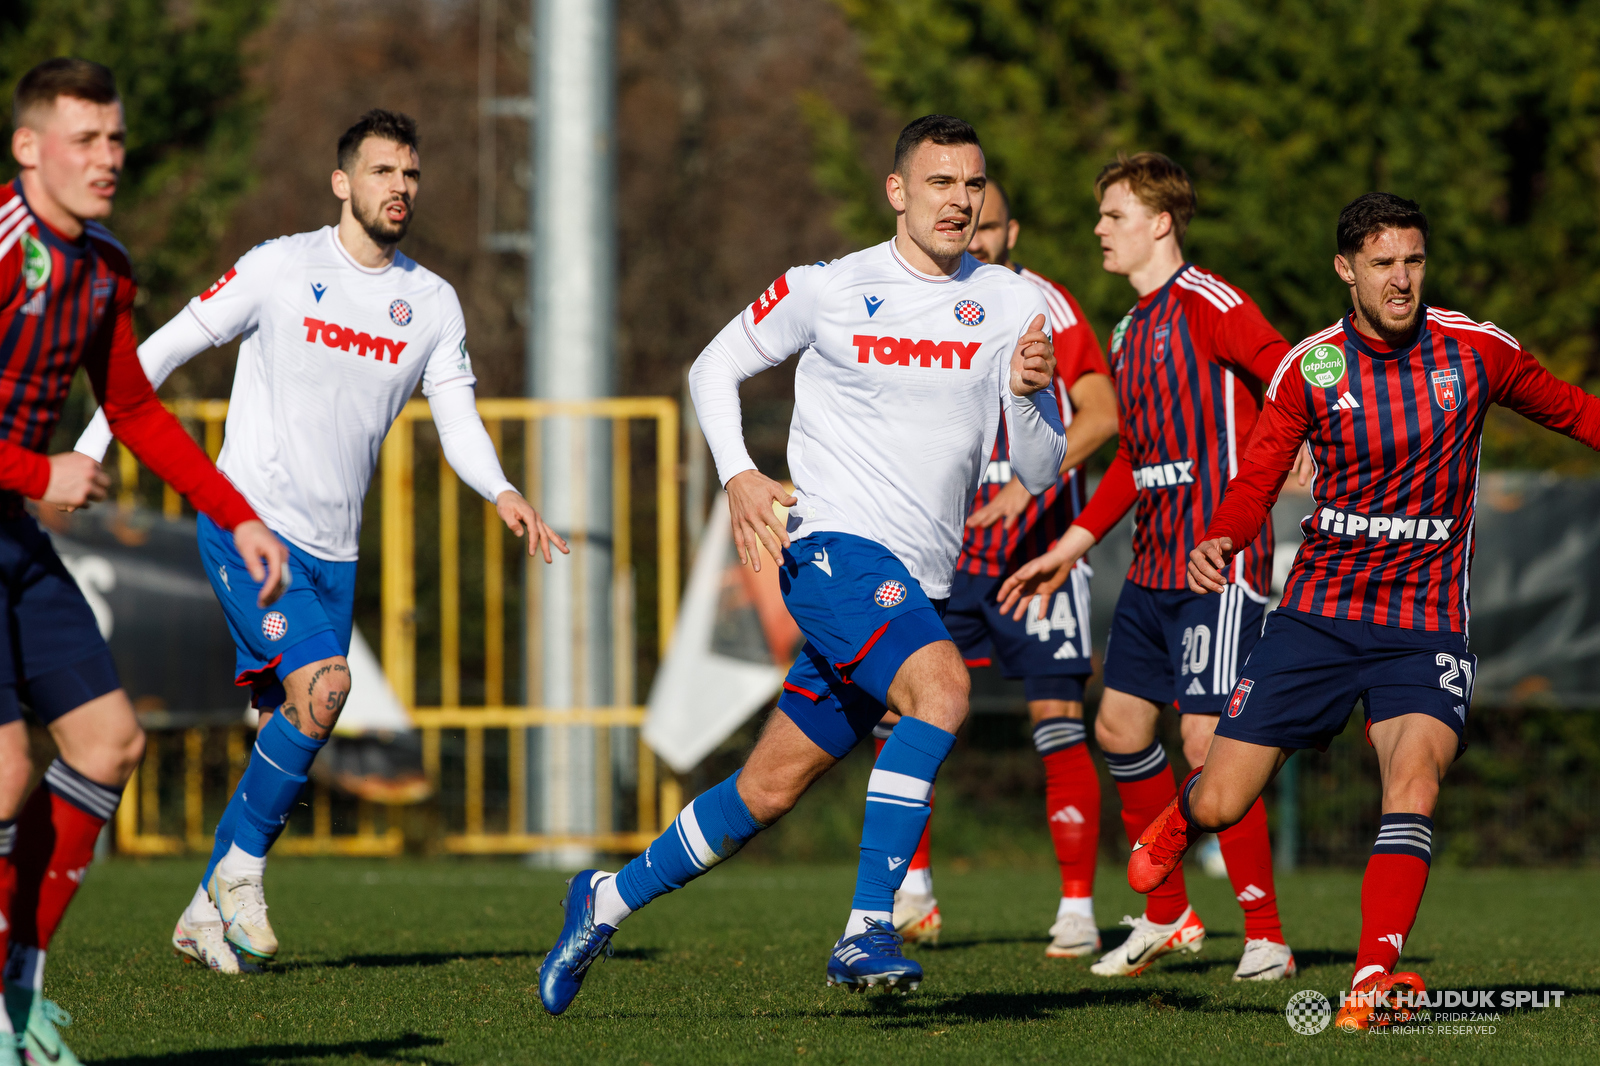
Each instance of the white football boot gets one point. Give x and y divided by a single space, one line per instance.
1072 936
917 918
243 907
1148 942
1265 960
205 943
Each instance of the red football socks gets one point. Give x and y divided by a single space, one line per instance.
1391 891
1247 849
1145 785
56 833
1071 801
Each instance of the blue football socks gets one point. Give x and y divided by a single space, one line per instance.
708 830
260 806
897 812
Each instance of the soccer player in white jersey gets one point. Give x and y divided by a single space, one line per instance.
911 353
337 329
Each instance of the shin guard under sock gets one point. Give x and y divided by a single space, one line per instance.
1071 801
271 783
919 876
1145 786
898 794
1391 891
1247 849
711 828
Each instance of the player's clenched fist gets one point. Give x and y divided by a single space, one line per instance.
1206 564
1033 364
751 495
76 480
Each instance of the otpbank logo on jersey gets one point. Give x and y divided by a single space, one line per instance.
1390 526
903 351
1447 389
1164 475
344 338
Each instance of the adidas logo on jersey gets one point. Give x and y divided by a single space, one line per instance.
342 337
902 351
1347 402
1393 526
1162 475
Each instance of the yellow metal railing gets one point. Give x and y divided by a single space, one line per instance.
657 796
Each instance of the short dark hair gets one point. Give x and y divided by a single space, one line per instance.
389 125
1371 213
940 129
61 76
1155 181
1005 201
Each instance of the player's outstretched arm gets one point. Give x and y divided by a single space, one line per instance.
1041 577
520 517
168 348
1206 564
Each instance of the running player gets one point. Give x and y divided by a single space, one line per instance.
1392 399
338 328
911 353
66 300
1051 654
1189 359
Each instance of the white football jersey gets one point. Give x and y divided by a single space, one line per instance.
902 382
330 353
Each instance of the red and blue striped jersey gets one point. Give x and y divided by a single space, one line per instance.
996 551
1189 361
1396 435
66 303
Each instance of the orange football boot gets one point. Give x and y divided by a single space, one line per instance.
1160 848
1360 1009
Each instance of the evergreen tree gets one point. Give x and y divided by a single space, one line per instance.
1282 111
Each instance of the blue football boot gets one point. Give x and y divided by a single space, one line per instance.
873 957
580 943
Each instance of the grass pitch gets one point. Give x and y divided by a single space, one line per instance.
436 962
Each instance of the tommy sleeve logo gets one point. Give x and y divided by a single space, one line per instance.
1241 692
770 299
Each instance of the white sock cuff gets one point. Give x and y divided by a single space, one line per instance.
239 863
858 920
609 909
1083 905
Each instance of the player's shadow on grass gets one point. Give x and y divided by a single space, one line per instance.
254 1054
417 958
900 1012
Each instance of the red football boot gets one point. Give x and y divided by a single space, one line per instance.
1160 848
1363 1009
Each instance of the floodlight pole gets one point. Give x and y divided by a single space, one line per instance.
571 356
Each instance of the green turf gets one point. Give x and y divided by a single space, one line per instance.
414 961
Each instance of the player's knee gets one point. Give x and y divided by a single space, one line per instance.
124 751
1196 748
1414 794
768 799
317 693
1213 808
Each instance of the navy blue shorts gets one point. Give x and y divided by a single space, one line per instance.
1180 647
52 656
1304 677
1051 656
863 616
308 623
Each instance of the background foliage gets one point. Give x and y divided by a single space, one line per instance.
191 122
1488 113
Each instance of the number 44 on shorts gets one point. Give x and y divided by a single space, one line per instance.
1061 620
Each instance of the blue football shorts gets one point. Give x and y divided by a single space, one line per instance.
308 623
52 656
1304 677
862 616
1180 647
1051 655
